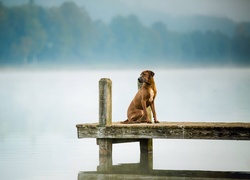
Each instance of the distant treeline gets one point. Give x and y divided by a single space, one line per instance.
66 34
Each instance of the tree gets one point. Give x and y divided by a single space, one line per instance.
241 44
25 34
70 32
129 35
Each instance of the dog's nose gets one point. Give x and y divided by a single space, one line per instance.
140 80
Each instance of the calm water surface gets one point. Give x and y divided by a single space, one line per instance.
39 110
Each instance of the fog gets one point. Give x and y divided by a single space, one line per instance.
222 8
39 111
56 100
236 10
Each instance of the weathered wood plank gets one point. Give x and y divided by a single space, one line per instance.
164 174
167 130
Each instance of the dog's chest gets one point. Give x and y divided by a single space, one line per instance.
151 93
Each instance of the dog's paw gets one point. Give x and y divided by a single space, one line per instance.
156 121
124 122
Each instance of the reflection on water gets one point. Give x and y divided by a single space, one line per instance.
144 170
39 110
135 171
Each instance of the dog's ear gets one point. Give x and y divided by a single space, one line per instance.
152 73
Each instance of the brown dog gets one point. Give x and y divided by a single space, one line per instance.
145 97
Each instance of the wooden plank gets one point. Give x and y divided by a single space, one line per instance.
117 141
167 130
164 174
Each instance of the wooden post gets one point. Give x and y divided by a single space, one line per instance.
105 102
146 145
105 118
146 155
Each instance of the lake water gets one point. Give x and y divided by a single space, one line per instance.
39 111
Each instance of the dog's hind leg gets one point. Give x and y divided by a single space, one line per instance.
134 117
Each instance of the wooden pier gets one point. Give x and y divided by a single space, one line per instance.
167 130
107 132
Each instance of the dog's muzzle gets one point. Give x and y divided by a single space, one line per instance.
140 79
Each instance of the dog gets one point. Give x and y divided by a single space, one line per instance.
137 110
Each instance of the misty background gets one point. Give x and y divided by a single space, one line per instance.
118 33
53 53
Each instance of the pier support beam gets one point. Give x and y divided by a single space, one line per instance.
146 154
105 118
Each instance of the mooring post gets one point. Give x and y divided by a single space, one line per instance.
105 118
105 102
146 145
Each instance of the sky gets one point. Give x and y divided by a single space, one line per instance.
237 10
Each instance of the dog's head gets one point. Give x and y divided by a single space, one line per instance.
146 76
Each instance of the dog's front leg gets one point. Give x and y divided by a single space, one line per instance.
152 105
143 102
